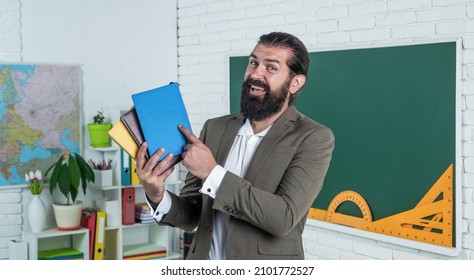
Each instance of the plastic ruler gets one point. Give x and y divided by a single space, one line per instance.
430 221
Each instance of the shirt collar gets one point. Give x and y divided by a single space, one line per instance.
246 130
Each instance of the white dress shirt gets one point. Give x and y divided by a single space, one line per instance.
242 151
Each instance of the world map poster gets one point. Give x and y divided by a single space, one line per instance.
39 118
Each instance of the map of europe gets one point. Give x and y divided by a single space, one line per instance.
39 118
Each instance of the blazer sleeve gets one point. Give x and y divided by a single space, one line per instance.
285 186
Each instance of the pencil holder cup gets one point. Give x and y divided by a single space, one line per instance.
103 178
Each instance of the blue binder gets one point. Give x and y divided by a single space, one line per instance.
159 112
125 173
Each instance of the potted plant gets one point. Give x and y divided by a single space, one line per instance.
98 131
70 171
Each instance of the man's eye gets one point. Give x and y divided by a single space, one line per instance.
272 68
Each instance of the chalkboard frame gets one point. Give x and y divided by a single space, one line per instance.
457 228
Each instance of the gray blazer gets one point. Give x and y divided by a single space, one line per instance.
269 206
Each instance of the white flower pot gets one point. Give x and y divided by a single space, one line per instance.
37 214
68 217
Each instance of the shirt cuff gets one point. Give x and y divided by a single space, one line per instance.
163 207
213 181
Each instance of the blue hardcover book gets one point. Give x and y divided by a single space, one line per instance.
159 112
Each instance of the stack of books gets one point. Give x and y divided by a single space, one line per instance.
61 254
144 251
143 213
140 123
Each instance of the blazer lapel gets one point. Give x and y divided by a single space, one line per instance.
228 138
278 130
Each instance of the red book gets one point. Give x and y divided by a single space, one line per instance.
88 220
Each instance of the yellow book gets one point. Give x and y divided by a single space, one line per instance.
120 134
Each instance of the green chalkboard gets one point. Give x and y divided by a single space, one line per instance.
392 111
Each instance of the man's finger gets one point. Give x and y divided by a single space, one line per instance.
188 134
140 157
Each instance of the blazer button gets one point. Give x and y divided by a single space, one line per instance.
211 228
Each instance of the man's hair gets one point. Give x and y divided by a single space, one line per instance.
299 62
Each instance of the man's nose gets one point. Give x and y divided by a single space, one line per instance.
257 73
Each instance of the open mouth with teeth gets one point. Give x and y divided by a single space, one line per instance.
257 91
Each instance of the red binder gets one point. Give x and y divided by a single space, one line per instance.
128 206
88 220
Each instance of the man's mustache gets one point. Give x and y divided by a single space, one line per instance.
257 83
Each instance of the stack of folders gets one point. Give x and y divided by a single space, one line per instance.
144 251
143 213
61 254
95 221
154 118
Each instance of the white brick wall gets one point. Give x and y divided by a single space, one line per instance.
211 30
10 29
10 51
11 218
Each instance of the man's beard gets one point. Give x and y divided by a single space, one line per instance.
258 108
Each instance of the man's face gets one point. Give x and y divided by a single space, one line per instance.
265 90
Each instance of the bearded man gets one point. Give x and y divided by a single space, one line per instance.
252 176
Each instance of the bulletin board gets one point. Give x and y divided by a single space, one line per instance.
394 111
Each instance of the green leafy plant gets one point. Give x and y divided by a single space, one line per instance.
68 172
99 118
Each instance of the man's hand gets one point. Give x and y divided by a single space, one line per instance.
197 157
153 184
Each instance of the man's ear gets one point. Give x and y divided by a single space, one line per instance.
297 83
